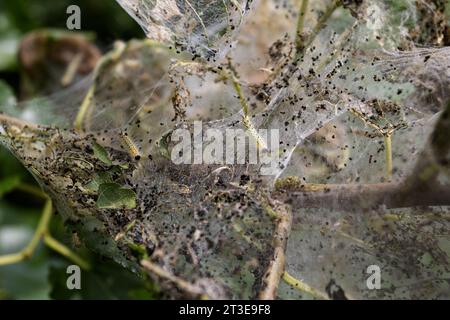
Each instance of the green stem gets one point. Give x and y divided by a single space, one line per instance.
321 23
42 232
41 228
337 48
246 118
242 100
71 70
300 25
11 258
84 108
303 286
28 251
65 251
388 146
113 56
33 190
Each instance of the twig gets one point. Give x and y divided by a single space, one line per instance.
300 285
388 146
85 105
321 23
360 196
35 191
78 125
277 264
27 252
246 117
337 48
239 230
42 233
6 120
387 136
238 89
65 251
300 25
199 19
420 188
180 283
71 70
230 74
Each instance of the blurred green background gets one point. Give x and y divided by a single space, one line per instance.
44 275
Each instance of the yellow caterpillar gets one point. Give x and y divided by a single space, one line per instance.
252 130
133 150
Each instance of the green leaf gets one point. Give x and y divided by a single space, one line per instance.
108 280
7 99
101 154
8 184
94 235
9 43
99 178
27 279
139 249
103 177
113 196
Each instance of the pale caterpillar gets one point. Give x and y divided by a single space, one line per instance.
133 150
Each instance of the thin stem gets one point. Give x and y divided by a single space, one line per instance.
300 25
387 135
33 190
242 100
42 232
239 230
182 284
41 228
11 258
301 286
28 251
84 108
277 264
321 23
71 70
85 105
199 19
388 146
357 196
65 251
246 117
229 74
337 48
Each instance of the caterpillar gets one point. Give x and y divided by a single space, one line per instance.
252 130
133 150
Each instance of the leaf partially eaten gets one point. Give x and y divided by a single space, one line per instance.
113 196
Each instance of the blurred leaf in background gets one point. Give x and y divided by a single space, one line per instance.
105 18
108 281
9 42
44 275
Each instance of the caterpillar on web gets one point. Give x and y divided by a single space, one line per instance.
133 150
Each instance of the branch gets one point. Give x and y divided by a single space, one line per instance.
277 264
321 23
7 121
42 232
421 188
187 287
300 25
301 286
363 196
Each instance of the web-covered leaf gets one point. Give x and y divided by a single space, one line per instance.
357 106
204 28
